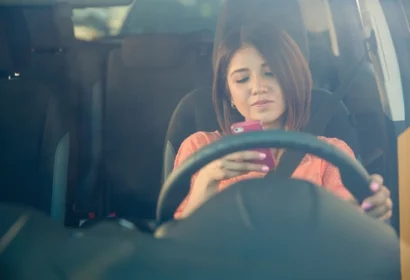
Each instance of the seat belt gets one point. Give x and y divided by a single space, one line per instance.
291 159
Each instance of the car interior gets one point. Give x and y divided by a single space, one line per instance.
90 130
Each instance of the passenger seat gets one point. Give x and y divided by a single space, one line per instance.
35 138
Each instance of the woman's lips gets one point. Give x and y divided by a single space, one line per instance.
261 103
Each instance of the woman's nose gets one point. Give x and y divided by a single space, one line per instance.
258 86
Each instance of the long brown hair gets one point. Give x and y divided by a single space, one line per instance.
285 60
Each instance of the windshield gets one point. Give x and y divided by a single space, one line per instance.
100 103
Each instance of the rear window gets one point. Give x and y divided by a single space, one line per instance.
171 16
147 16
94 23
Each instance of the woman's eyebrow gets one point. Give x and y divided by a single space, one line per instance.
239 71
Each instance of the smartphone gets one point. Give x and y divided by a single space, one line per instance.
248 126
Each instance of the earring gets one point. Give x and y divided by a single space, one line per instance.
233 105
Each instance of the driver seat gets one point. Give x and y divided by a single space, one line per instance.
195 111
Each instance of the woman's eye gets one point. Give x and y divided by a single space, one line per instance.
243 80
269 74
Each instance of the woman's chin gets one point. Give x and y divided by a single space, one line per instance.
270 124
265 120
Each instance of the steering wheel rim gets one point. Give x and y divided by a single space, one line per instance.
178 182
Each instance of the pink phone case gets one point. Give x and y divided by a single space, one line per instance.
247 126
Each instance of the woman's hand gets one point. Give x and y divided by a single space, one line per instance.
378 205
233 165
207 182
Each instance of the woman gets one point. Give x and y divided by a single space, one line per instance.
261 74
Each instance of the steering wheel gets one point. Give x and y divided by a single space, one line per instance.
177 185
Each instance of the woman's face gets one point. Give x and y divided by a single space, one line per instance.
254 90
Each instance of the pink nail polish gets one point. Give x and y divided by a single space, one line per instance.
374 186
262 156
366 206
265 169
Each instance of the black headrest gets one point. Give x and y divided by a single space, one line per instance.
15 47
284 15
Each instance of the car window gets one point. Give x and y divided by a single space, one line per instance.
146 16
171 16
385 60
94 23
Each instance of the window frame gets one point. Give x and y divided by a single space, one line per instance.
384 57
400 31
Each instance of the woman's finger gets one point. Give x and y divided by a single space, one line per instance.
380 211
379 198
386 216
227 174
242 166
245 156
376 182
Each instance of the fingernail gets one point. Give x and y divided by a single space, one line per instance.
374 186
265 168
366 205
262 156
